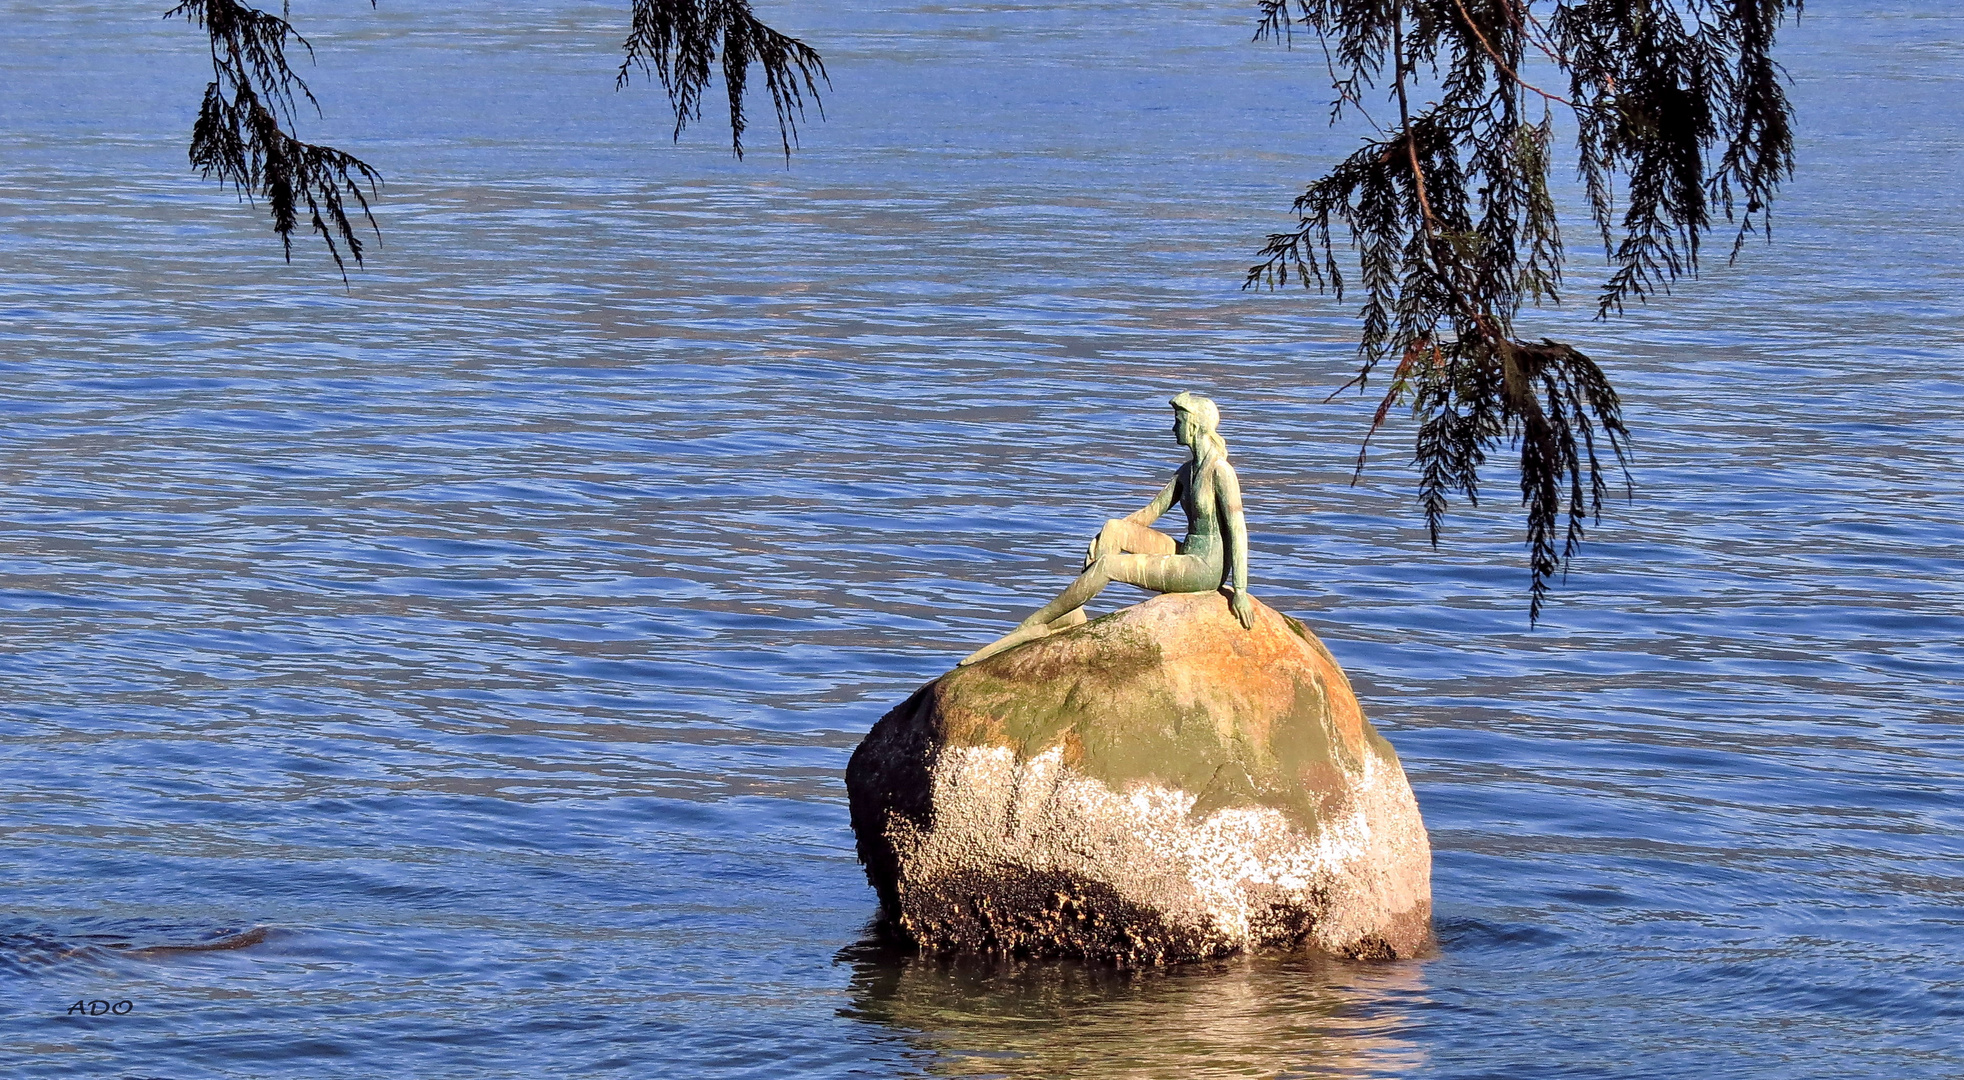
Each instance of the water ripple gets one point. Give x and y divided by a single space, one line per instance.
491 634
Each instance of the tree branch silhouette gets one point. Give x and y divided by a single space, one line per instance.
1679 108
244 136
678 41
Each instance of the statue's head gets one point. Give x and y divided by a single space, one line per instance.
1193 418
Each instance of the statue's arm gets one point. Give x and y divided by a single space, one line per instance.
1151 512
1227 488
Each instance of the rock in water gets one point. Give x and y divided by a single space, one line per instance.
1153 786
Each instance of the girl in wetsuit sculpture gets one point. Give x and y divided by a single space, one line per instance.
1128 549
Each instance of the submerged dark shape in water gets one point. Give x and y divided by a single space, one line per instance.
241 940
1158 785
27 951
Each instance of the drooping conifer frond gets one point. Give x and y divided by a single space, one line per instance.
243 135
678 41
1679 109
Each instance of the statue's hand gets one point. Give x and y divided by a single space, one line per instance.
1243 607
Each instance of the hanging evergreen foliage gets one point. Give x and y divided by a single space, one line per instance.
1679 112
243 134
679 41
244 137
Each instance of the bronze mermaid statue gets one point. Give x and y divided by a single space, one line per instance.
1130 550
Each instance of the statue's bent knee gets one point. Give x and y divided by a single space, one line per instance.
1130 550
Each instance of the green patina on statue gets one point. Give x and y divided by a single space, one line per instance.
1128 549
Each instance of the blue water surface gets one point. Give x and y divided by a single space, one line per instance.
485 639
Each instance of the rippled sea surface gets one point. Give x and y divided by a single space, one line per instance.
491 633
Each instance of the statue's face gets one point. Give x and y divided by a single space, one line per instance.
1183 428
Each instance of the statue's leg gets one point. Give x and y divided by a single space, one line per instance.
1159 573
1073 598
1068 620
1120 536
1077 593
1165 573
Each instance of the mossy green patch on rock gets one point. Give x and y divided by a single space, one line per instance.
1174 692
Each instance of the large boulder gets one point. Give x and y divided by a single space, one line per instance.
1156 785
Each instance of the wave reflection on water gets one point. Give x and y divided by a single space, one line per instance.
494 631
1259 1016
